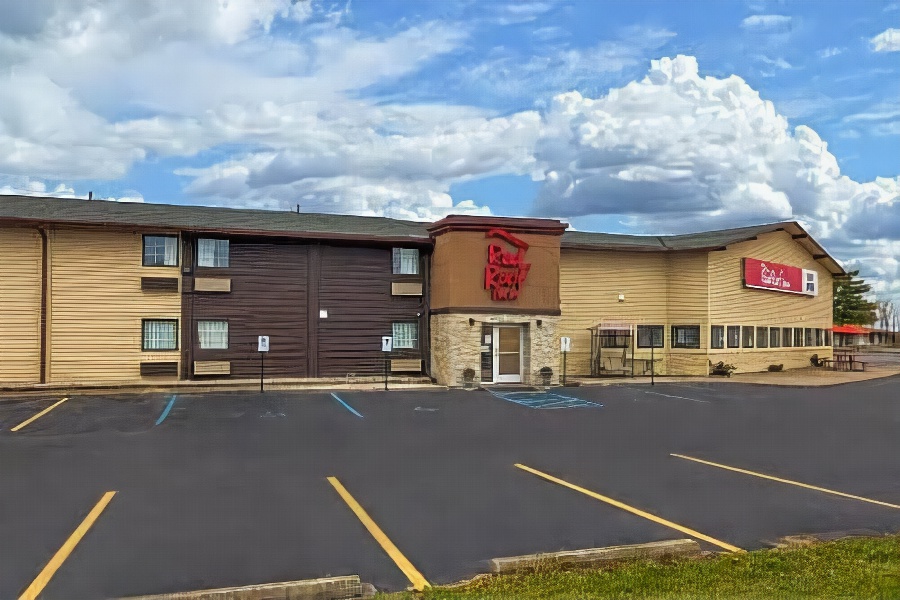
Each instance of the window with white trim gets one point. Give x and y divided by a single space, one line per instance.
734 336
685 336
774 337
786 339
213 335
406 335
762 337
650 336
212 253
159 334
717 337
406 261
810 282
747 336
160 251
798 337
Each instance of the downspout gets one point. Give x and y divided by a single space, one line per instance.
43 322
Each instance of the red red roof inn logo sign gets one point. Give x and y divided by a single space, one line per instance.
767 275
505 271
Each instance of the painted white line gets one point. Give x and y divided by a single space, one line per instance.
679 397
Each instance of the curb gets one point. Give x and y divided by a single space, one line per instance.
597 556
327 588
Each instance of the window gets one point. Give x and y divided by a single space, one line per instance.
213 335
650 336
614 338
406 335
685 336
734 336
717 337
810 282
212 253
406 261
810 337
774 337
827 337
786 337
762 337
798 337
747 336
159 334
160 251
819 337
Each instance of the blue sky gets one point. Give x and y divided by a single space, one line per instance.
630 116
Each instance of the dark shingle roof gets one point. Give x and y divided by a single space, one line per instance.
206 219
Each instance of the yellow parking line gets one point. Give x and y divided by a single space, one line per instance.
43 578
37 416
418 581
788 481
631 509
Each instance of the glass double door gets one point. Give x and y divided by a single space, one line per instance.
507 361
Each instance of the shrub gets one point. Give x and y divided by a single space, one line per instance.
722 368
468 374
776 367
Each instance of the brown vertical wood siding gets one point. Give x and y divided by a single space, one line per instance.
355 289
278 289
268 297
20 318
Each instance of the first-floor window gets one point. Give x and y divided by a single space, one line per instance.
213 335
819 337
774 337
747 337
650 336
786 337
717 336
614 338
685 336
762 337
810 336
159 334
734 336
827 337
798 337
406 335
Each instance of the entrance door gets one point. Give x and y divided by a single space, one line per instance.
508 354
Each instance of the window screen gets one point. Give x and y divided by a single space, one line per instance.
685 336
160 334
650 336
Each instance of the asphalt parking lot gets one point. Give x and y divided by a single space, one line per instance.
229 489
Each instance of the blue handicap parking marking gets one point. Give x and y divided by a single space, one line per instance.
544 400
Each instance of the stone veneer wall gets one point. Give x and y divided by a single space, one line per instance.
456 345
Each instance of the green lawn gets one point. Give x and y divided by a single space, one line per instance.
850 568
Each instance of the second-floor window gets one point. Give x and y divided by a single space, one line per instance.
160 251
212 253
406 261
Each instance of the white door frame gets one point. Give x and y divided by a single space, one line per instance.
498 378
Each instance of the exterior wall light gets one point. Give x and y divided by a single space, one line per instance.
621 297
471 322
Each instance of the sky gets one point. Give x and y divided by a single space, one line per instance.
619 116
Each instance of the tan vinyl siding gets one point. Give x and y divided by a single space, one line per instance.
98 305
733 304
688 304
20 294
590 283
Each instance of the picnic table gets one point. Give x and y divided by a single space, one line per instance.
844 360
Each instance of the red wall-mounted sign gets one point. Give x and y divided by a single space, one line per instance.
506 270
768 275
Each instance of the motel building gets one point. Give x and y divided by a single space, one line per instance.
97 293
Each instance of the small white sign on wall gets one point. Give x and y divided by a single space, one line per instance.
323 314
263 343
387 343
565 344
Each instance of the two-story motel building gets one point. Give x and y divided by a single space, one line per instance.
97 292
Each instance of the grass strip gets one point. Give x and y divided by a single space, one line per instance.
848 568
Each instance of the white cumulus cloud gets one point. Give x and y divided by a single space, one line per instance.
767 23
886 41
